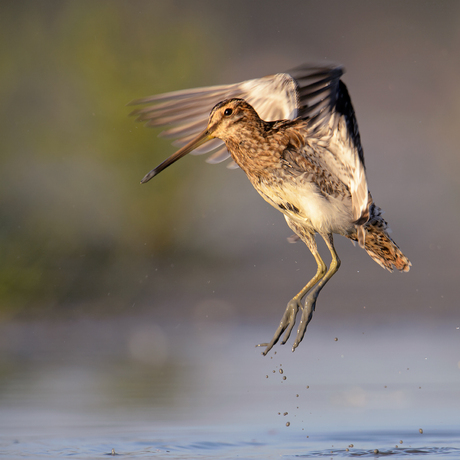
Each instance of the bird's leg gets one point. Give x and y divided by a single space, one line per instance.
288 320
310 301
295 303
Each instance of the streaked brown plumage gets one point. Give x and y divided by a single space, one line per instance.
311 168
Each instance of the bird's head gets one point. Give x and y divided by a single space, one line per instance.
225 119
228 116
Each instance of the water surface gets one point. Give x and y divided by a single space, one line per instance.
202 390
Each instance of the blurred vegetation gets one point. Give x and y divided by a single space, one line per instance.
75 222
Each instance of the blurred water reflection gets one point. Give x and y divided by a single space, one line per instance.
95 390
99 375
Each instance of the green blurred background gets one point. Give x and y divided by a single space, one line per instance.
76 226
79 236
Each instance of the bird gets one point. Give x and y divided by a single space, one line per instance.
295 136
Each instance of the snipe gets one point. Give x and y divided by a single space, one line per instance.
296 137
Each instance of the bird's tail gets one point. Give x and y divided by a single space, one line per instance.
380 246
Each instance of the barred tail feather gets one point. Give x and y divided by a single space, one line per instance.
379 245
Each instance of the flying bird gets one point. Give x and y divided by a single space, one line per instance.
296 137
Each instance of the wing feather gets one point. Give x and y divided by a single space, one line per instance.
334 130
314 94
304 91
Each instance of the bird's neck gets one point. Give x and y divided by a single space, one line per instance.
253 150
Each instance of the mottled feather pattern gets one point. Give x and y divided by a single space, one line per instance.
379 244
339 154
284 169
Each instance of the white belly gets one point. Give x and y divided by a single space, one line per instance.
317 213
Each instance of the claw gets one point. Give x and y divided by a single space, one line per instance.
307 314
292 307
287 324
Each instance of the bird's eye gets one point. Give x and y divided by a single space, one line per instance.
228 112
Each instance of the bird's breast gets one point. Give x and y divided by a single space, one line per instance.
256 158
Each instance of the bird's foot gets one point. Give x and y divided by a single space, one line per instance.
307 314
287 323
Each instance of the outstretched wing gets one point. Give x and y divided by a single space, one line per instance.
305 91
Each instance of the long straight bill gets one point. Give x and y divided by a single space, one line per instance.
192 145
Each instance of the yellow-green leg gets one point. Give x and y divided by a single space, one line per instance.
288 320
310 302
